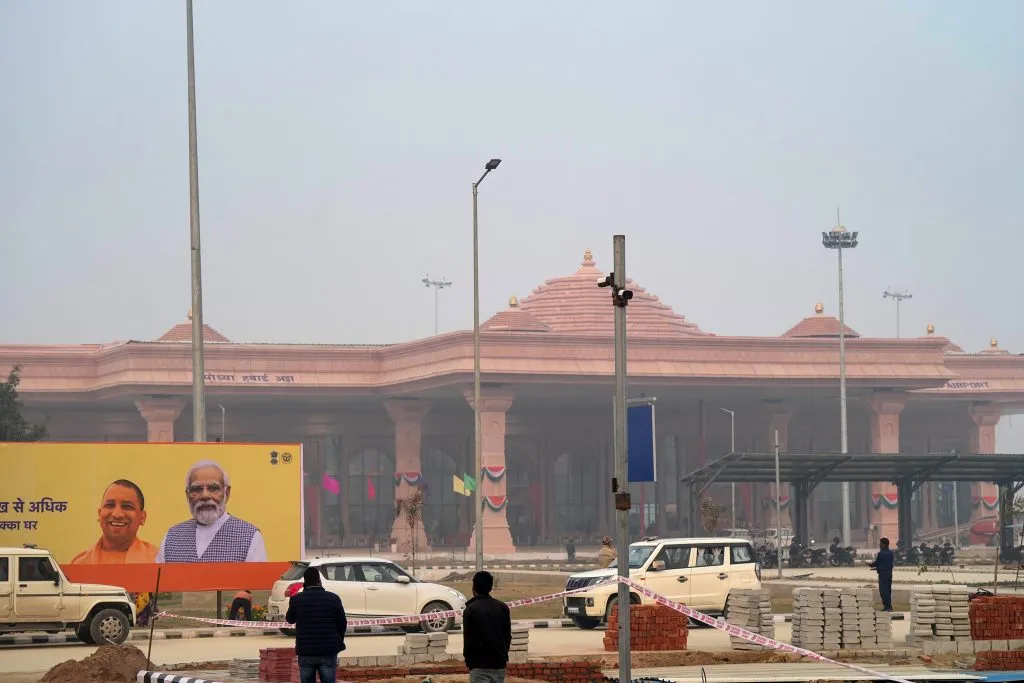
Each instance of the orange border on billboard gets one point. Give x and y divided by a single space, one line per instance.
186 577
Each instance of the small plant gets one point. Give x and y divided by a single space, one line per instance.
259 612
412 507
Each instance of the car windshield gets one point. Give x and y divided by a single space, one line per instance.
295 571
638 555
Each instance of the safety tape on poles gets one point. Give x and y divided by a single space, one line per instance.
386 621
719 624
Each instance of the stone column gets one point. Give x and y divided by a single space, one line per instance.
160 414
982 439
497 537
885 438
779 420
408 418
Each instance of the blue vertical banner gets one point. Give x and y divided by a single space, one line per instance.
640 447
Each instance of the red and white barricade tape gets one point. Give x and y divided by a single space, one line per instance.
384 621
722 625
635 585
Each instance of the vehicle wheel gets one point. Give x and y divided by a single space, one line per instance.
290 632
438 624
633 600
586 623
82 631
109 626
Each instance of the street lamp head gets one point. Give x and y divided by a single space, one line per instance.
839 239
492 164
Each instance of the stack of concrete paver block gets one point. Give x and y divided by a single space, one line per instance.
809 618
520 643
940 619
750 610
420 644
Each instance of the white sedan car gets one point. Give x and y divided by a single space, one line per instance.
370 587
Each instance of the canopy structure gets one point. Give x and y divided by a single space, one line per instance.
804 471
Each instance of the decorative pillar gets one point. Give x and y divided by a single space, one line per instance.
982 439
885 438
779 420
408 418
497 537
160 414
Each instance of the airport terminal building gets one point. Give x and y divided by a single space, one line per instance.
385 420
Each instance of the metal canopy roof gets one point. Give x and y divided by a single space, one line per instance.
815 468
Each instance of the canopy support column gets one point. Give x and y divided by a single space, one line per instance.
1006 491
904 517
801 516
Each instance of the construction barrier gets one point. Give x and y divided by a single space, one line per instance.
651 628
159 677
997 617
721 625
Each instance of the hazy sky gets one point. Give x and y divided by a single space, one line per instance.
338 142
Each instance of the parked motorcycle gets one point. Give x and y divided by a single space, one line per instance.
819 557
842 556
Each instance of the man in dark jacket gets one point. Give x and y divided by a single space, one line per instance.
486 633
883 564
320 625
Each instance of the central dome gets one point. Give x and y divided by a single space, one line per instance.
576 305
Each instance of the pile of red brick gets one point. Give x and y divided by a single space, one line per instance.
276 663
999 660
997 617
552 672
651 627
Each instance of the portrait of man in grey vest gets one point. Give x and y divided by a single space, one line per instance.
212 535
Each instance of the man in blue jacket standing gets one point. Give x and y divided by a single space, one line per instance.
320 626
883 564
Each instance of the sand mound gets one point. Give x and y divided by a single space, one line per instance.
109 664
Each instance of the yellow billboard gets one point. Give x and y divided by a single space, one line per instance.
213 515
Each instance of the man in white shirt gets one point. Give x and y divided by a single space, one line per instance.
212 535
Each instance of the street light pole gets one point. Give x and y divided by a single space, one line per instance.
778 506
838 238
198 361
478 456
620 487
732 449
899 298
437 285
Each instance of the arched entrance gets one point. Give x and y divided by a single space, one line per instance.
441 503
371 498
575 483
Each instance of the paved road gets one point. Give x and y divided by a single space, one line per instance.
38 659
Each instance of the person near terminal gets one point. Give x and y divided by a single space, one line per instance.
486 633
212 535
320 625
606 555
883 564
241 605
122 512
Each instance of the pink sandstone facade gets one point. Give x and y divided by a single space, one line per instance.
385 420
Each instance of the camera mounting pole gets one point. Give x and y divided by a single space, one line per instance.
620 483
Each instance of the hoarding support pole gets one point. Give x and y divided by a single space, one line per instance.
621 461
152 619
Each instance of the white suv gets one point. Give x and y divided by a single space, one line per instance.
370 587
36 596
699 572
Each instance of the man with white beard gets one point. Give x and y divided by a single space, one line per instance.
212 535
